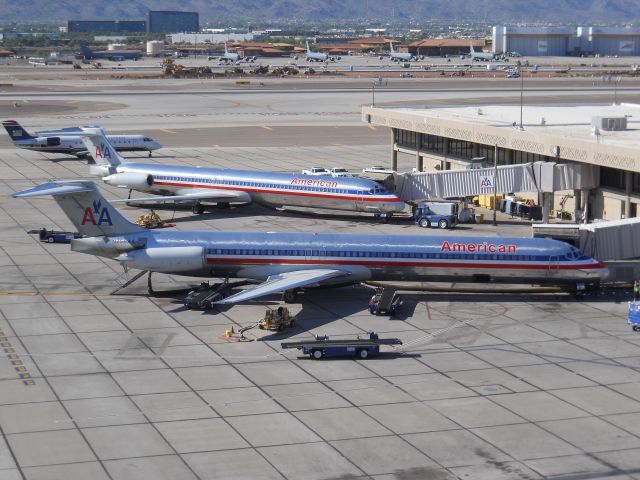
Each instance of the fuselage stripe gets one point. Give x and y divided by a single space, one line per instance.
353 197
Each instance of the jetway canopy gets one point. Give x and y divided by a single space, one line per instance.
610 240
528 177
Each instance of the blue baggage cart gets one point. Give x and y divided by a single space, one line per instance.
634 315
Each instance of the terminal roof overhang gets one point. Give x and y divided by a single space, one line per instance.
566 128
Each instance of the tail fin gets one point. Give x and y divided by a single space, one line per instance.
225 48
101 150
308 49
391 47
88 210
471 47
15 131
86 51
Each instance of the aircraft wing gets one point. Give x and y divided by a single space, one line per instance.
288 281
210 195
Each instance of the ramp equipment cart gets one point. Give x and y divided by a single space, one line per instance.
634 315
322 346
384 302
205 295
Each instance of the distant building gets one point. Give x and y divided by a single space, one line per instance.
106 26
171 22
436 47
16 35
560 41
197 38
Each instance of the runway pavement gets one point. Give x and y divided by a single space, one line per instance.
129 386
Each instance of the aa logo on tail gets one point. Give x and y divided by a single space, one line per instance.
103 151
101 212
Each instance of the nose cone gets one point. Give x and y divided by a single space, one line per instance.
155 146
604 273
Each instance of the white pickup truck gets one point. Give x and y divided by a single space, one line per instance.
340 172
316 171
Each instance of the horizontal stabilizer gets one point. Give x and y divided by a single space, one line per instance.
56 188
287 281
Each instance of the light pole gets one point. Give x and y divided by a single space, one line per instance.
521 96
495 185
373 94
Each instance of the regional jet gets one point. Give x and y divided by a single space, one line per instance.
69 140
205 185
288 262
477 56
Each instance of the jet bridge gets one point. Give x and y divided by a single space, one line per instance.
544 177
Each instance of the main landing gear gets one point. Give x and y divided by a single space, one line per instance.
197 209
289 296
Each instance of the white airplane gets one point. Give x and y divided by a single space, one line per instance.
477 56
229 57
318 56
398 56
69 140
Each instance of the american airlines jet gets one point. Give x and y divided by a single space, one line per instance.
287 262
69 140
206 185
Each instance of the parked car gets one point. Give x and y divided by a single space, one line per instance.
377 169
340 172
513 75
316 171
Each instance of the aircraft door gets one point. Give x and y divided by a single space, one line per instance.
554 266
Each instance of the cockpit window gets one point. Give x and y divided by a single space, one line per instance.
147 139
573 253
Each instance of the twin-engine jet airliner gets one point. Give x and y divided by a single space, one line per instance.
287 262
199 186
69 140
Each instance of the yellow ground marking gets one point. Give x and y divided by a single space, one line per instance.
215 145
167 131
372 127
267 128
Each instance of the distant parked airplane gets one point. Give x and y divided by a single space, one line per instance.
69 140
485 57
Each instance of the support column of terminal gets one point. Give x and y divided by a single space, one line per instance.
547 205
445 152
585 205
628 184
577 196
418 156
394 152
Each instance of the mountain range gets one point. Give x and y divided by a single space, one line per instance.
575 12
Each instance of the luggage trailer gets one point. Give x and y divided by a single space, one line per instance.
322 346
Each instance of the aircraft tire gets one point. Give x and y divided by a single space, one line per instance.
289 296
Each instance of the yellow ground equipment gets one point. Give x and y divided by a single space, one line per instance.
277 320
151 220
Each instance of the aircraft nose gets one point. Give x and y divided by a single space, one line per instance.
604 273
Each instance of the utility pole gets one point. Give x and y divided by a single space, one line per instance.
495 185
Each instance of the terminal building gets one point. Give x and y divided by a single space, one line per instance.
594 152
562 41
165 21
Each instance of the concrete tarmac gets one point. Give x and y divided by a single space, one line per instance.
130 386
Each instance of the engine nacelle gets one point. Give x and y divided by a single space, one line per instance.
47 142
130 180
165 259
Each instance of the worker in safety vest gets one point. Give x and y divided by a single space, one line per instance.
636 290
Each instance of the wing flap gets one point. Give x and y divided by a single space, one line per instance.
287 281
